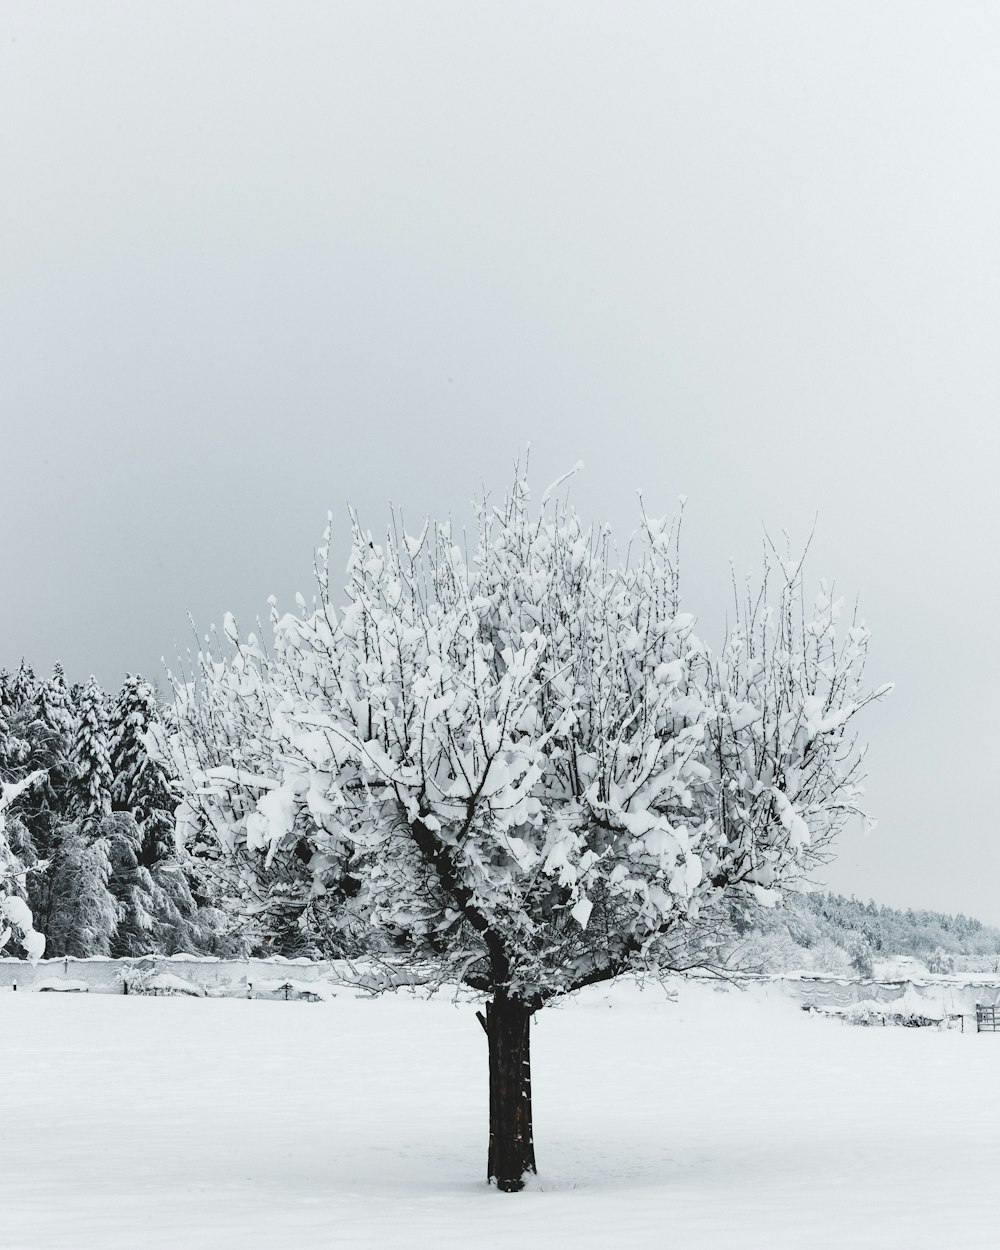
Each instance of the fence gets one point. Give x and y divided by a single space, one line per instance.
987 1019
219 976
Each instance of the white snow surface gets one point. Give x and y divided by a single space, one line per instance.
721 1119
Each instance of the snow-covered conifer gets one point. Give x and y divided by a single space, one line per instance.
6 694
533 772
46 723
5 734
143 784
91 757
131 886
134 711
54 703
22 686
15 914
150 876
39 739
82 917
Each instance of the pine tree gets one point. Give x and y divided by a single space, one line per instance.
47 724
158 910
131 886
93 836
142 784
6 694
17 712
55 702
82 915
5 732
72 903
129 721
91 757
22 686
40 725
15 915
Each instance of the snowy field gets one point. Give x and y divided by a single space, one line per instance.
713 1121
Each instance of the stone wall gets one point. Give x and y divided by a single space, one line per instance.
220 976
957 995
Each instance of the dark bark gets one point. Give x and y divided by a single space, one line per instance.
507 1023
512 1148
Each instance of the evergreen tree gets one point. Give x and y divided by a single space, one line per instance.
70 899
40 725
46 723
106 900
142 785
157 908
91 757
17 712
82 915
22 685
55 702
6 696
16 920
5 732
131 886
15 749
133 712
90 842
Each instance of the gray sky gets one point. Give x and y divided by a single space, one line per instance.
259 259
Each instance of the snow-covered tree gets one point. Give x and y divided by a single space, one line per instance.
158 911
20 686
940 961
827 956
862 960
134 712
55 702
91 755
143 784
39 734
82 915
14 750
522 768
130 886
60 816
36 737
15 914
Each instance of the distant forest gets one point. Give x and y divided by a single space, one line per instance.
830 933
92 850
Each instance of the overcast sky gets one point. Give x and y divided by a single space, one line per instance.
259 259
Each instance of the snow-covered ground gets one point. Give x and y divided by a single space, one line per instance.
717 1120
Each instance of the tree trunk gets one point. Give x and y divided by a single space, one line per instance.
512 1148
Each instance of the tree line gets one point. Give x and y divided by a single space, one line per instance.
92 847
90 844
828 932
